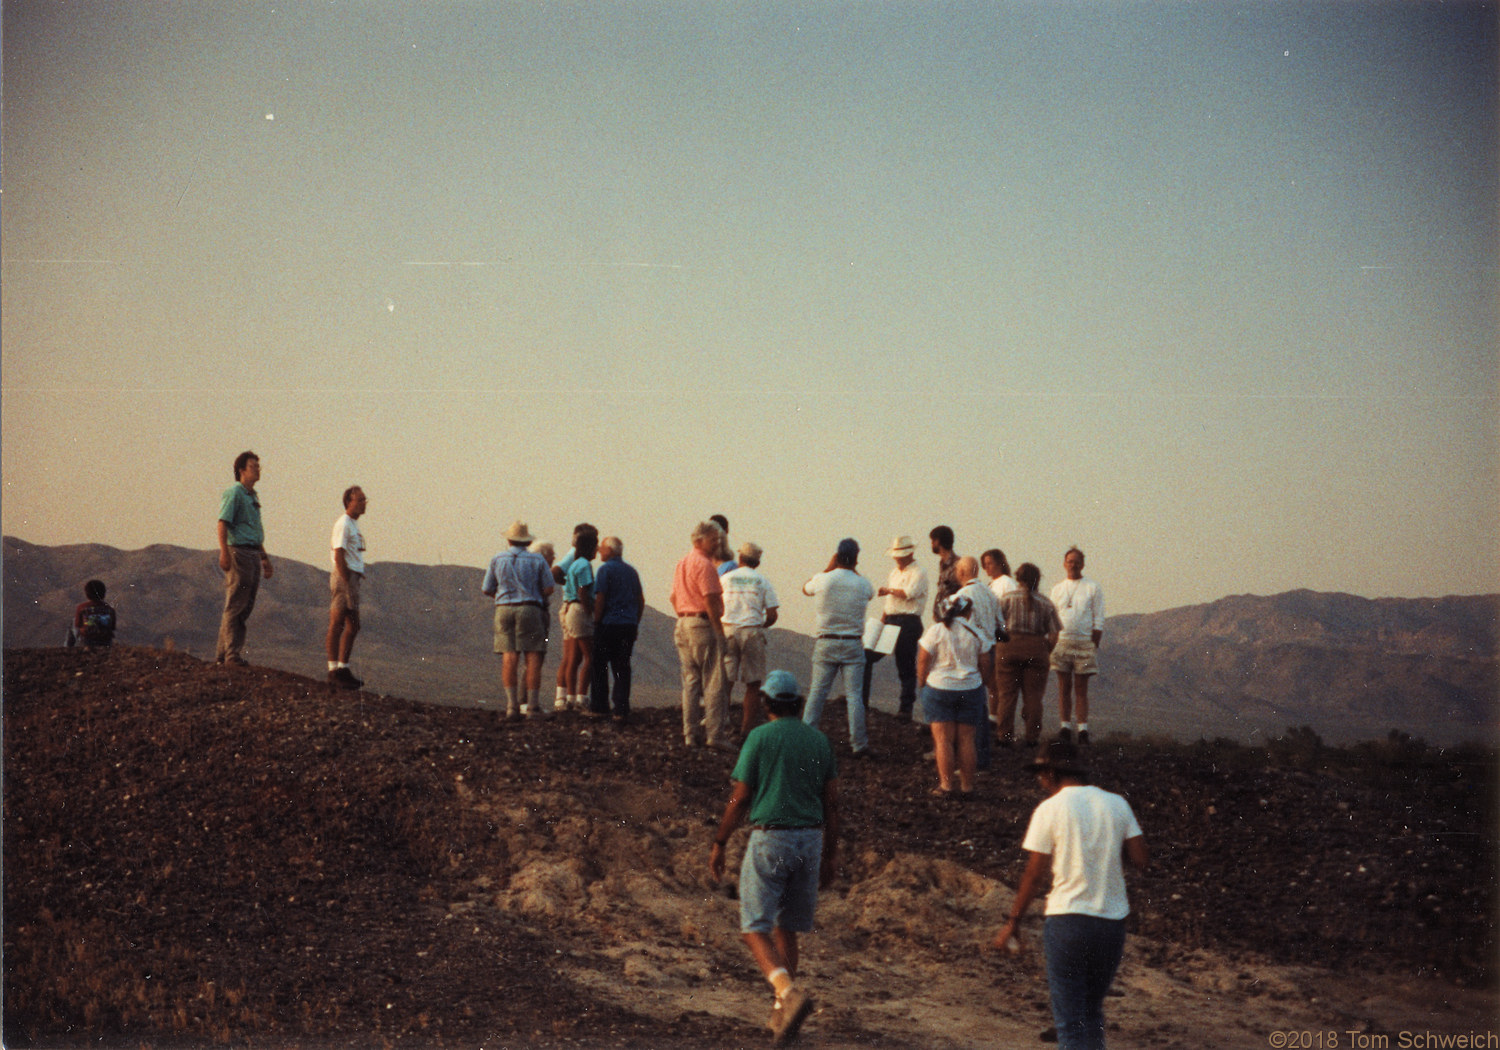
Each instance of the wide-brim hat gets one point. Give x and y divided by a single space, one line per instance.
518 533
901 546
1059 756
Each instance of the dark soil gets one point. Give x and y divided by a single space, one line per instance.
198 855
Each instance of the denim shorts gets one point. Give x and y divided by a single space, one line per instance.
964 706
779 880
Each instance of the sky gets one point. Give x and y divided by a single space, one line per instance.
1207 289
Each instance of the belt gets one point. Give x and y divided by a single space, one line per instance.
537 605
786 827
692 616
841 637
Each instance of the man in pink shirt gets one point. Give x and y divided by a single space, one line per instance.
698 600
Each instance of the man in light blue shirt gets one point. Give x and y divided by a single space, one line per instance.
841 595
242 556
519 581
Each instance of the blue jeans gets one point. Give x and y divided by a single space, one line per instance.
779 880
831 655
1083 952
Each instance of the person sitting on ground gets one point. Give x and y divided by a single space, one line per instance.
93 620
953 693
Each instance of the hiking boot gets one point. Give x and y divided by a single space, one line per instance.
1065 735
787 1022
1083 738
344 678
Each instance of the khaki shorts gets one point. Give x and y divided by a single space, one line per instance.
345 593
577 620
520 629
1075 657
744 654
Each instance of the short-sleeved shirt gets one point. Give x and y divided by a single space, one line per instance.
955 655
694 579
1003 585
786 763
912 582
987 617
578 575
1038 617
840 596
1083 828
619 585
348 538
747 597
240 510
517 575
947 581
1080 607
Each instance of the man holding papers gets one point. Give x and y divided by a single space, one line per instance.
904 592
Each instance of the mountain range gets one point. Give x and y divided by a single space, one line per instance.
1242 667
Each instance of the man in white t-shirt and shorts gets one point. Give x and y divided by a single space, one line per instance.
348 545
1080 607
750 608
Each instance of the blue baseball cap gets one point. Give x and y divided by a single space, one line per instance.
780 685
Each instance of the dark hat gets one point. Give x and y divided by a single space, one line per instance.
1061 757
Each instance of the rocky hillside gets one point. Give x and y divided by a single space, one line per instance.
199 856
1241 667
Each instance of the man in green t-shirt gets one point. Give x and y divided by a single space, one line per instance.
242 556
786 782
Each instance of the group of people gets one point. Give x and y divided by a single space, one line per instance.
988 644
599 615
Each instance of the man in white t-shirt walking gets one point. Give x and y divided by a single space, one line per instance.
841 595
750 608
1080 607
348 545
1079 839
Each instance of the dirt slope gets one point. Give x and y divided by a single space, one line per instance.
205 856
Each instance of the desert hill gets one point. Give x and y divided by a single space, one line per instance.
197 855
1242 667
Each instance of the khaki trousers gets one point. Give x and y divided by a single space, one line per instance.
241 583
703 686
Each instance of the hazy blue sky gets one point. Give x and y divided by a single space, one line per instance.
1207 289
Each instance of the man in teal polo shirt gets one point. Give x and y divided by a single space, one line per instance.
242 556
786 782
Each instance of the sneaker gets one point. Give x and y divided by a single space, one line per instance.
236 661
1083 738
1065 735
724 746
787 1022
864 753
344 678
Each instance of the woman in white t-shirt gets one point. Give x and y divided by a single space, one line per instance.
953 693
997 568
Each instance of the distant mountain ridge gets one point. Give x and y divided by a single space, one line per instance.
1242 666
